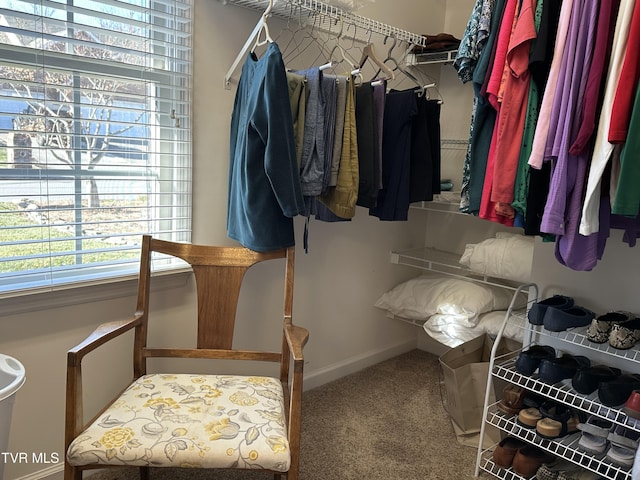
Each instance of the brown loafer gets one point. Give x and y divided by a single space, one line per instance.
529 459
506 450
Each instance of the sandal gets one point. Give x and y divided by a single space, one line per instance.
594 434
529 417
557 421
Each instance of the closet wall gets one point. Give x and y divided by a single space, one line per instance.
337 282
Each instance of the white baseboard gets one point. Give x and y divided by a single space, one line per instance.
54 472
354 364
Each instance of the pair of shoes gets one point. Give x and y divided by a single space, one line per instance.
632 405
551 420
552 471
537 311
557 320
552 370
529 360
600 328
586 380
595 433
512 399
523 457
624 336
578 474
557 420
617 391
529 459
506 450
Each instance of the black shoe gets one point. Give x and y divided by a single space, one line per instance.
616 392
529 360
586 380
552 370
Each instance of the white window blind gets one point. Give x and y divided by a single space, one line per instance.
95 137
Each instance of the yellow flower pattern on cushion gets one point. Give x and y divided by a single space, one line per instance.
206 421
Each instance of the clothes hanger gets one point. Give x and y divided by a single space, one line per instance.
264 29
312 38
336 60
397 66
294 12
368 52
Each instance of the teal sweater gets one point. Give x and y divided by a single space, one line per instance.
264 181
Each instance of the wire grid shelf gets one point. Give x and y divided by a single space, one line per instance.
328 19
578 336
564 393
565 447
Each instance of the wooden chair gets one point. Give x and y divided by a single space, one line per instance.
194 420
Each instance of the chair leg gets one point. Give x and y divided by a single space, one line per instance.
144 473
72 473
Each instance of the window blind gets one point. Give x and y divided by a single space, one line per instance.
95 137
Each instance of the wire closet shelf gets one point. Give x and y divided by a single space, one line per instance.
325 17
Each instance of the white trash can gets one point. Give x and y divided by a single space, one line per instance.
12 376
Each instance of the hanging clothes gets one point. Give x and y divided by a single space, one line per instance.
540 172
264 182
330 95
424 173
627 199
592 101
298 99
482 121
542 128
341 105
341 199
494 93
368 153
393 200
589 222
537 57
473 40
511 119
313 147
562 211
628 83
379 99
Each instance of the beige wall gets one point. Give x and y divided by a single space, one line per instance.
337 282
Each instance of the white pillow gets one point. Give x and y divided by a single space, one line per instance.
426 295
447 331
508 256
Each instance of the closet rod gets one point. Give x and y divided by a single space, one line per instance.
329 15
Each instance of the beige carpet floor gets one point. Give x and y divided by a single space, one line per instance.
386 422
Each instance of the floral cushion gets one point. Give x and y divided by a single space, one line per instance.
182 420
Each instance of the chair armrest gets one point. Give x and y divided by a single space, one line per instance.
296 338
100 336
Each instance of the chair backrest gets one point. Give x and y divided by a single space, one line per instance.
218 273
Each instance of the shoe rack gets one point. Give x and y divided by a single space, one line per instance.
566 447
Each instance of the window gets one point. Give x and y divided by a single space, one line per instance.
95 137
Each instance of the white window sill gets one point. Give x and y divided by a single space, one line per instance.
90 292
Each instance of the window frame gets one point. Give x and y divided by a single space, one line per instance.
164 82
